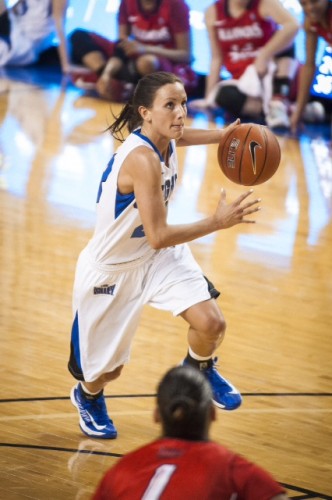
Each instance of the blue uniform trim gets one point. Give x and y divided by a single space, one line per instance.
122 201
74 364
138 133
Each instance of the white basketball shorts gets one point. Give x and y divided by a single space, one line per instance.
108 302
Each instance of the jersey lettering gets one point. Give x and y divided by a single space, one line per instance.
241 32
168 187
159 482
161 35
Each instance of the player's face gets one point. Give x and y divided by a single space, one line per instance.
314 9
240 4
169 111
148 5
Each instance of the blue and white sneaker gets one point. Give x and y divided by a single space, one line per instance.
94 419
225 395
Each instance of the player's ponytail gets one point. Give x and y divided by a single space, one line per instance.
184 401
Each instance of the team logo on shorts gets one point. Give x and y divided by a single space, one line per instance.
104 290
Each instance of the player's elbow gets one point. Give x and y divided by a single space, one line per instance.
157 240
292 28
157 243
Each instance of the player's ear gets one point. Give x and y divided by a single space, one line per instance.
145 113
156 416
213 413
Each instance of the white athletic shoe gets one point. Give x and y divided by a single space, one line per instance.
277 116
314 112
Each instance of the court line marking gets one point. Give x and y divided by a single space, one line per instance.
148 412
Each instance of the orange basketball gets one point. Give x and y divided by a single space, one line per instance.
249 154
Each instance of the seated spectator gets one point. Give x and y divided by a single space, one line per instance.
184 462
154 35
253 41
29 28
317 23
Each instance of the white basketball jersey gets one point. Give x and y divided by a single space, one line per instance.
32 30
119 234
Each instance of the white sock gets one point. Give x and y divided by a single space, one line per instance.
197 357
89 392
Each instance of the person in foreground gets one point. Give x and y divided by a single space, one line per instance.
135 257
184 463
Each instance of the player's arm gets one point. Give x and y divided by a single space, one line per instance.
123 22
282 38
124 31
216 59
194 137
216 62
141 173
59 9
307 73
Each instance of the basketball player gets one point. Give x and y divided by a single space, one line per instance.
154 35
32 27
183 463
136 257
253 41
317 23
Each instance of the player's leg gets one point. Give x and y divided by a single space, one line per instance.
206 332
101 337
177 284
237 103
88 50
286 67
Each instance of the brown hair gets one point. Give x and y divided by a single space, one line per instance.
184 399
144 95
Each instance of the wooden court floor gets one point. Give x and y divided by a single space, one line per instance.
275 278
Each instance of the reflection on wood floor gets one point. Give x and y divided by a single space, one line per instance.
275 277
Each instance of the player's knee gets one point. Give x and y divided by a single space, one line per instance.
215 327
147 64
113 374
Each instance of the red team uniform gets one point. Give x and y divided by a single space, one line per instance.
159 29
241 38
175 469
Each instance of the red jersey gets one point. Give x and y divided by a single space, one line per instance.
157 28
174 469
241 38
325 33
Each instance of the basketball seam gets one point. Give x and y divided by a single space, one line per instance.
223 150
242 152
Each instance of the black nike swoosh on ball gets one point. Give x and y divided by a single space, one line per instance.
252 148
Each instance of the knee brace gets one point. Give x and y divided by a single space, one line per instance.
281 86
231 99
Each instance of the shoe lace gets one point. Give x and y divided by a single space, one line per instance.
215 371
